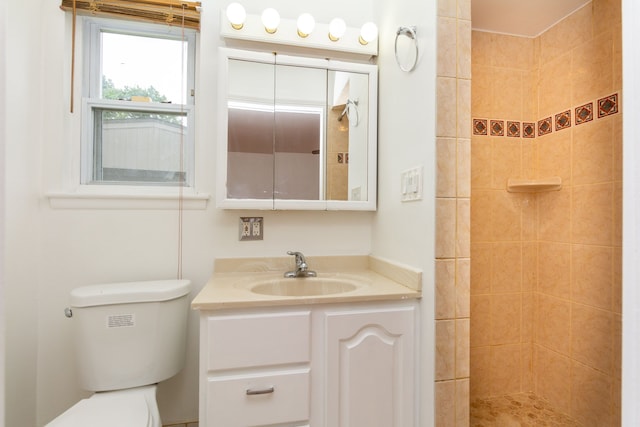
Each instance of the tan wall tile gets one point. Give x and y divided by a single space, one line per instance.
464 50
505 369
555 79
445 403
507 94
481 215
463 223
506 216
463 168
447 107
480 320
592 214
506 159
608 13
481 255
571 31
462 348
481 150
462 403
464 9
591 396
445 288
447 34
464 108
481 44
592 279
552 378
593 153
592 58
592 337
482 91
506 315
445 349
445 228
529 266
553 324
554 154
553 260
448 8
480 378
554 219
506 267
512 52
463 287
446 167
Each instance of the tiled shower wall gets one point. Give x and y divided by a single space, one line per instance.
453 194
545 276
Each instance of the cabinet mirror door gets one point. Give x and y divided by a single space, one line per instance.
296 133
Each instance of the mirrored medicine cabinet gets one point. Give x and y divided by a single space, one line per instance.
296 133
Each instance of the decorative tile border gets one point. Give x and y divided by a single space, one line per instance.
582 114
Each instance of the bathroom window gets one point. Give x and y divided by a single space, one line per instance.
138 104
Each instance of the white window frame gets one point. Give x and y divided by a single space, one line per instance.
92 86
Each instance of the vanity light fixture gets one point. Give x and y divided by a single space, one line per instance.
337 28
368 33
303 32
306 24
270 20
236 15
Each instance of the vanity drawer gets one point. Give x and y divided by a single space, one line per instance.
263 399
245 341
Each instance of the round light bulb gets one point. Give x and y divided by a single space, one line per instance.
306 23
337 27
270 20
368 33
236 15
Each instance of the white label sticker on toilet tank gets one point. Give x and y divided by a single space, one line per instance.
121 321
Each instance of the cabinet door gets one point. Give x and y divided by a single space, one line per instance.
370 363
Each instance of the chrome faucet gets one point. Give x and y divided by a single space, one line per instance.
302 269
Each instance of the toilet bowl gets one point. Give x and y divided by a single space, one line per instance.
127 338
134 407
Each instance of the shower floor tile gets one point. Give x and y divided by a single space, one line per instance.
517 410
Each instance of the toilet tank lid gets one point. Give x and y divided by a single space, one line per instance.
129 292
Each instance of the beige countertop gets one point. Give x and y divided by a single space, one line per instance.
372 279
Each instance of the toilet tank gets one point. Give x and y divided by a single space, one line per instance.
129 334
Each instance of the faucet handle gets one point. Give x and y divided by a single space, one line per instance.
299 256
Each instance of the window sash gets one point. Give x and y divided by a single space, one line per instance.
90 127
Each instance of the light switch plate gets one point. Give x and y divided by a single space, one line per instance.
411 185
251 228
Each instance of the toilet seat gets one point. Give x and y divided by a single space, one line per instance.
107 410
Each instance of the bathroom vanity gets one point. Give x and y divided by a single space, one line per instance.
340 349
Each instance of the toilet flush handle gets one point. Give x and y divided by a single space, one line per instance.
68 312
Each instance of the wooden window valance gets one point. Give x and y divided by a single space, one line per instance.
178 13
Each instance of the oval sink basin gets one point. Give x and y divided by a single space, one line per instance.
303 287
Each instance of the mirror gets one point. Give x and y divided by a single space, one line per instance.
296 133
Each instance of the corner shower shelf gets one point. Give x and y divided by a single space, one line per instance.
519 185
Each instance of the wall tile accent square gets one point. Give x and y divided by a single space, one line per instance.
563 120
608 105
528 130
479 126
513 129
584 113
544 126
497 128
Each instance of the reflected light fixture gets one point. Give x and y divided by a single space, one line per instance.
368 33
337 28
236 15
306 24
270 20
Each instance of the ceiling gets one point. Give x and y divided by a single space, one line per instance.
527 18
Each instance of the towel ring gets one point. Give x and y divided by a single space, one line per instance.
411 33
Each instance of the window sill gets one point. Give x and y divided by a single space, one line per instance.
109 197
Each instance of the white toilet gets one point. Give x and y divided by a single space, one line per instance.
128 337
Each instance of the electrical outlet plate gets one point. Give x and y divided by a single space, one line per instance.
251 228
411 185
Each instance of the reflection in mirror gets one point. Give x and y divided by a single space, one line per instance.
250 130
300 97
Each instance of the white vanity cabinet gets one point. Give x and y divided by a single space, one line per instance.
329 365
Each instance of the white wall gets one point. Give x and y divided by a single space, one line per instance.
405 232
631 216
51 251
3 107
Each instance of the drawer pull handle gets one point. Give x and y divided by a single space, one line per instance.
252 392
